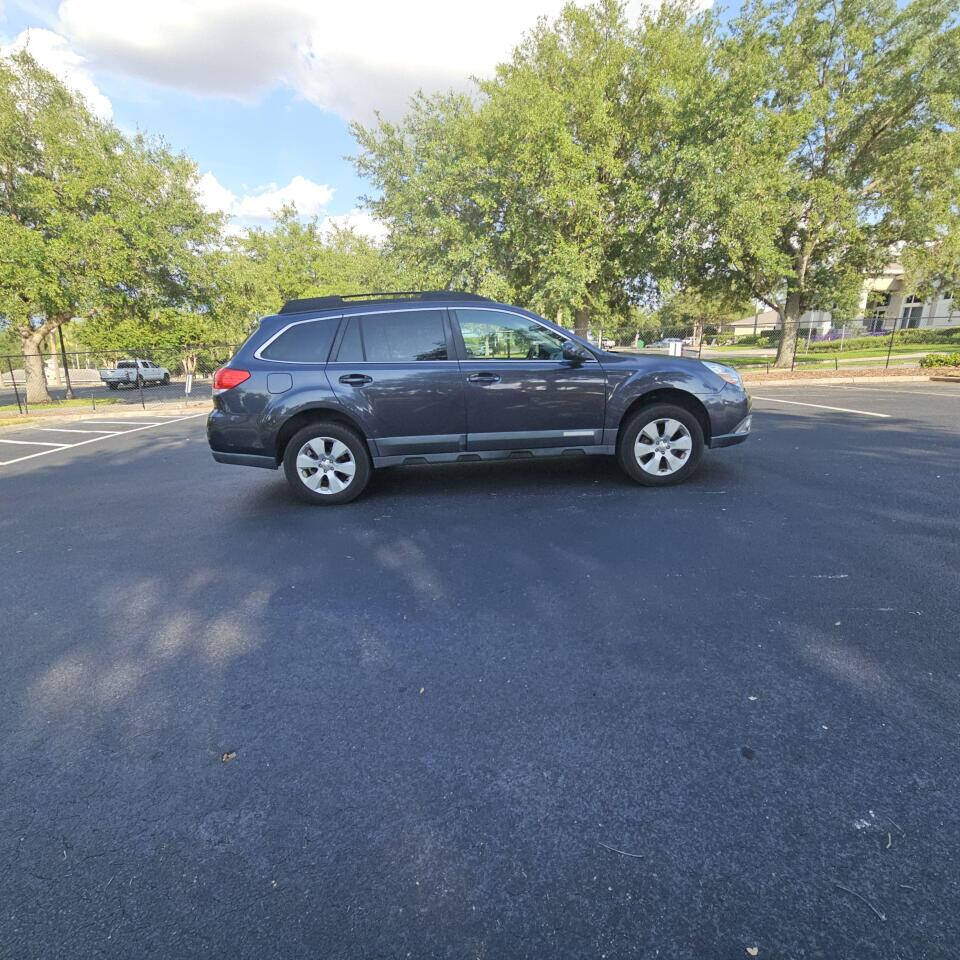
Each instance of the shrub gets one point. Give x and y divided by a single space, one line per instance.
929 335
940 360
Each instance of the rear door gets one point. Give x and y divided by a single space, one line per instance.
395 370
520 392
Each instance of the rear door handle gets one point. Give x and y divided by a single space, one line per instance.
483 378
355 379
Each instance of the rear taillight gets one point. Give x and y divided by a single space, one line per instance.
226 378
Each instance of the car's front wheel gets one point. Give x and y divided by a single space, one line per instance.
660 445
326 463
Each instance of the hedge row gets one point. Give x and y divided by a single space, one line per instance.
940 360
931 335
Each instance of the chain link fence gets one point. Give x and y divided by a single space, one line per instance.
99 378
860 342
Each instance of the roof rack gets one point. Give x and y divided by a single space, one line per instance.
329 303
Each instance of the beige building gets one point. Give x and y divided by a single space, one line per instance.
884 301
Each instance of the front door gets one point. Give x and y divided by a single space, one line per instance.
394 370
520 392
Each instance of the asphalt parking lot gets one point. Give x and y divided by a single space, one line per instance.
501 710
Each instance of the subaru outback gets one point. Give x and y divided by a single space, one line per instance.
332 387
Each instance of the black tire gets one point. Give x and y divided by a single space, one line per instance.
644 468
166 379
112 386
334 432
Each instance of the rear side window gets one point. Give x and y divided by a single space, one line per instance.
404 336
306 342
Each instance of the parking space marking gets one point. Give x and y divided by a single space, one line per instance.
130 423
57 447
66 430
35 443
823 406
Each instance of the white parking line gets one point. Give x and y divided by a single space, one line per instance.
82 443
822 406
130 423
35 443
66 430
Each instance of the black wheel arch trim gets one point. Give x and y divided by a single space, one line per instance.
678 397
301 416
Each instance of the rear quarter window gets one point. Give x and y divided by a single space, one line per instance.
308 341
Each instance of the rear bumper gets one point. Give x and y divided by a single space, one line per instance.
245 459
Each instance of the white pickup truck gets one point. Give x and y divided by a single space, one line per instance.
135 373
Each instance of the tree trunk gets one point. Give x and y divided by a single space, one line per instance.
581 322
33 369
789 321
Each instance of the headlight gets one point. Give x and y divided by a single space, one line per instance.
724 372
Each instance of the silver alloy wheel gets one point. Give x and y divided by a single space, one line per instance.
326 465
663 447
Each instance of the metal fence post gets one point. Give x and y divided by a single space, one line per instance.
13 380
893 333
140 385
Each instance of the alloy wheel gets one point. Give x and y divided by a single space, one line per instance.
326 465
663 447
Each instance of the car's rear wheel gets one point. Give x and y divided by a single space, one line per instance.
166 379
112 386
326 463
660 445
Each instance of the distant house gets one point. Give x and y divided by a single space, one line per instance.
884 301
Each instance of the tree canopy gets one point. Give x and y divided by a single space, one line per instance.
779 159
614 174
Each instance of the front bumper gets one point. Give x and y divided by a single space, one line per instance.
737 435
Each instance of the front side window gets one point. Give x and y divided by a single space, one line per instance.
306 342
404 336
493 335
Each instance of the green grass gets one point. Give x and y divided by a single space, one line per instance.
63 404
808 360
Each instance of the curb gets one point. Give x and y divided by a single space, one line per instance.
946 379
72 414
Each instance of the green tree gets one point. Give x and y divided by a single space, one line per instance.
554 183
833 133
697 309
294 258
91 222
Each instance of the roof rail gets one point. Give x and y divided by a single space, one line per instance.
329 303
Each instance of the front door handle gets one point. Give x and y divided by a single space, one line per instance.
355 379
483 378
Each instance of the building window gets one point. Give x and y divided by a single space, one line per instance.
912 311
878 314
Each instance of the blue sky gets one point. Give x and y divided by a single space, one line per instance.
260 93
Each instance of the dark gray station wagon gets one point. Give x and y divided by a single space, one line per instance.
332 387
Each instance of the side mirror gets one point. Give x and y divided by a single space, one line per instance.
573 352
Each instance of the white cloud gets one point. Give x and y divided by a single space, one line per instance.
54 53
258 207
359 221
350 58
310 198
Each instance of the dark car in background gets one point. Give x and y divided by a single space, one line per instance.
332 387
